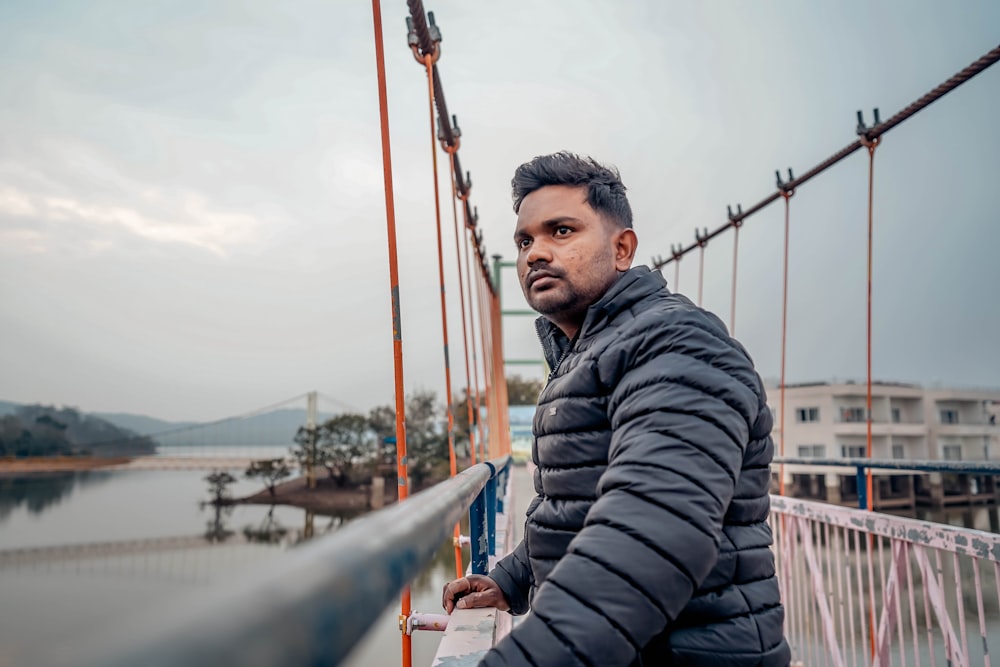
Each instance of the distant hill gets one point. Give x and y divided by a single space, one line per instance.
45 430
277 427
141 423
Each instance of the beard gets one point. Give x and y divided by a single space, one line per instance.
568 298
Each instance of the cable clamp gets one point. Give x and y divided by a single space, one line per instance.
701 237
735 218
413 39
785 187
863 130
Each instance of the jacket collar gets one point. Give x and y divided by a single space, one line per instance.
631 287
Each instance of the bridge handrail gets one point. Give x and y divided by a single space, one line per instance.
967 541
963 467
310 607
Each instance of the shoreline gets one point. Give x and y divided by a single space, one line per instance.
326 497
40 465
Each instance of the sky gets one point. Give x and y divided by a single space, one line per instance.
192 222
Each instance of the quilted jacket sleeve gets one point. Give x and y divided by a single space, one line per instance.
682 398
513 575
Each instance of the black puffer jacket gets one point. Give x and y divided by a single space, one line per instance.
647 543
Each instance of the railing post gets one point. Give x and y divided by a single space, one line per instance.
491 514
502 487
478 547
862 481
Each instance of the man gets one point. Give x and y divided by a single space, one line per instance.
647 542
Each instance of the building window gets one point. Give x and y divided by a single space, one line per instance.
852 414
852 451
896 416
897 452
807 415
952 452
812 451
949 416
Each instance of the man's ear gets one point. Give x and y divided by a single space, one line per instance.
625 243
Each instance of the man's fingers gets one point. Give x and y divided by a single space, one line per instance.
476 600
453 590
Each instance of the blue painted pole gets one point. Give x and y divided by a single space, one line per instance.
491 514
862 488
502 487
478 529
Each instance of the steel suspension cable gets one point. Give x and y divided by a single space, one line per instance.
987 60
452 464
397 334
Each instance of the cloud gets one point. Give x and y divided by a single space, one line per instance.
197 223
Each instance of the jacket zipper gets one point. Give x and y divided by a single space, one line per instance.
565 353
555 368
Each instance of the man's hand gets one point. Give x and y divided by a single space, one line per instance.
475 590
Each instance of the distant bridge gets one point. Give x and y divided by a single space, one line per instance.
80 463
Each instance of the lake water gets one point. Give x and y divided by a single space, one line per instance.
49 604
52 602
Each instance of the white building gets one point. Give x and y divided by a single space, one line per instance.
829 420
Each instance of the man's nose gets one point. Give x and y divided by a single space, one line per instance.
540 251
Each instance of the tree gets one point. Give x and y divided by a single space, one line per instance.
345 441
218 486
426 434
521 391
460 409
270 471
382 421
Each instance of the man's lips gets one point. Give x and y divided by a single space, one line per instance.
535 276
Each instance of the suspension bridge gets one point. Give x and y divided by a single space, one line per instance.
859 587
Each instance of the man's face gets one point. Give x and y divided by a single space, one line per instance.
568 255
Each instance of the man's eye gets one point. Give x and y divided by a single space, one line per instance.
523 243
562 231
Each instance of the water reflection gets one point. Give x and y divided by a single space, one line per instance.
41 491
216 530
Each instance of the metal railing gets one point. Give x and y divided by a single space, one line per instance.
313 606
863 588
863 465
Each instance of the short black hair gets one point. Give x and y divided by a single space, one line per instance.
605 190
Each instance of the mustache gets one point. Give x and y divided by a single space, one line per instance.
541 270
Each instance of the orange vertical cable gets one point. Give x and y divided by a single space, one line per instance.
461 297
397 334
677 274
736 253
487 441
786 194
503 398
701 268
472 324
870 144
484 349
495 374
452 464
